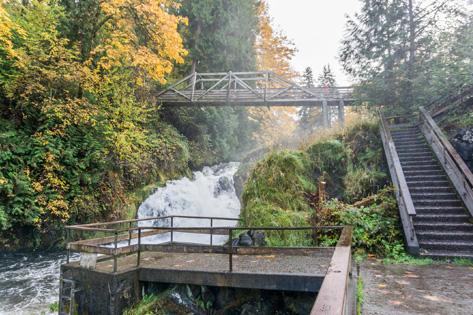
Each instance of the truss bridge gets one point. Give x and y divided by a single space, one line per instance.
262 88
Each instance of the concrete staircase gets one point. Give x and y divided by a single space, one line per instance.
443 226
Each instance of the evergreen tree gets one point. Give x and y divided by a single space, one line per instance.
308 78
389 43
326 78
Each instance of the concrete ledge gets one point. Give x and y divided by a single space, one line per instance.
263 281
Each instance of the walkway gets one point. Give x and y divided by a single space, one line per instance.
438 289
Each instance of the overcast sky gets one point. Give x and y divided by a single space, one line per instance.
317 28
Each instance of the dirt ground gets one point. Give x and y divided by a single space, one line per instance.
437 289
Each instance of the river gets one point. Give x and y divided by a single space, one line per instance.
29 283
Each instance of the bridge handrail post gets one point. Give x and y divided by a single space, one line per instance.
138 254
211 231
115 241
172 230
230 249
67 246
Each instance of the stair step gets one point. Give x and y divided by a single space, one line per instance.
438 203
444 227
440 210
415 162
409 144
431 183
430 189
426 178
437 171
419 158
447 254
447 245
453 218
405 131
415 156
421 167
434 195
438 236
406 137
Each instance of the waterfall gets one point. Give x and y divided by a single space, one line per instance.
209 193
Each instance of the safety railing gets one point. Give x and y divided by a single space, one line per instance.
120 241
403 196
456 169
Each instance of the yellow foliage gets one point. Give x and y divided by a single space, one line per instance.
274 50
6 27
274 53
142 33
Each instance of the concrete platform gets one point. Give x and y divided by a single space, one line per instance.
106 292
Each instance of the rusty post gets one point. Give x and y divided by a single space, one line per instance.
322 193
230 249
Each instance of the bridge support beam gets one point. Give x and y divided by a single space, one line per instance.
325 114
341 113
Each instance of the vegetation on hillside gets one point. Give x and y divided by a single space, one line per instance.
80 131
281 191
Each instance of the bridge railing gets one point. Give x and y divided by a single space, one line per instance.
456 169
403 196
118 241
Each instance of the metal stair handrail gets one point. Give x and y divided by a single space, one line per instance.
403 195
456 169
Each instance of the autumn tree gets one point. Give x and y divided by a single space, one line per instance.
274 52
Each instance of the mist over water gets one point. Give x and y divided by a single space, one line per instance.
29 283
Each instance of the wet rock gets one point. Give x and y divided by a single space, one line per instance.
463 143
245 240
223 185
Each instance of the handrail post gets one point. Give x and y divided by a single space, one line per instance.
138 255
172 230
230 249
67 246
211 231
115 252
129 234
